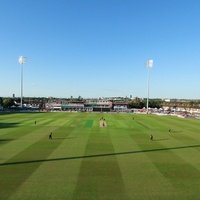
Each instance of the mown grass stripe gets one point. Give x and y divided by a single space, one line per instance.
39 150
167 164
89 123
56 178
99 155
19 144
140 183
100 177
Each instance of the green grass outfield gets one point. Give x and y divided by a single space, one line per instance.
84 161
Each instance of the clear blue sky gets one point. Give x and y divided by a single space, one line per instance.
96 48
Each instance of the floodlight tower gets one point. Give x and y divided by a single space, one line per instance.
149 65
22 61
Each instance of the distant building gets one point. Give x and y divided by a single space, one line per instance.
53 106
120 106
73 107
98 105
167 100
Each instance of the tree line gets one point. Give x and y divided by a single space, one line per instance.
6 102
135 103
141 103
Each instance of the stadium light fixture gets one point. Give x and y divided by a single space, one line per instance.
22 61
149 65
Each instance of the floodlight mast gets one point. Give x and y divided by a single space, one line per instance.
22 61
149 65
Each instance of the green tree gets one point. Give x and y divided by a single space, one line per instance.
1 101
8 102
42 104
136 103
155 103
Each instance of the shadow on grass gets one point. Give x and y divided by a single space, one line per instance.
18 112
99 155
176 131
8 125
62 138
161 139
3 141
